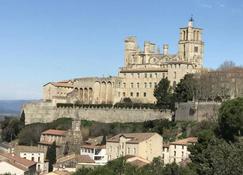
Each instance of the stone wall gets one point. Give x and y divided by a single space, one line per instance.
47 112
191 111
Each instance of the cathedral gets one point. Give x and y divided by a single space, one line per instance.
142 71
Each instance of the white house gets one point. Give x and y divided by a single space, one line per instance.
12 164
35 154
178 151
95 152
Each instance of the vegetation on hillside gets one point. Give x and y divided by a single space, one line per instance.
217 152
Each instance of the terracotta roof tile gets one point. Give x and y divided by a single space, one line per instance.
17 160
54 132
186 141
134 137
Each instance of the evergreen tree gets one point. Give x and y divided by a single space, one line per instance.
51 155
185 89
163 94
231 119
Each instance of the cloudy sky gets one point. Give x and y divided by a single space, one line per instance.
50 40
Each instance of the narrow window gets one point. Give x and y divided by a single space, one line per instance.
124 94
144 94
131 85
137 85
131 94
145 85
150 84
137 94
145 75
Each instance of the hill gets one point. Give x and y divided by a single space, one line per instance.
12 107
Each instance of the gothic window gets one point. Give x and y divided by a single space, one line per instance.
124 94
131 94
137 94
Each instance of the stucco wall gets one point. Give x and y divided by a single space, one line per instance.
47 112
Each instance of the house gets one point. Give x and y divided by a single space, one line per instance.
12 164
52 135
35 154
95 150
6 147
178 151
144 145
72 162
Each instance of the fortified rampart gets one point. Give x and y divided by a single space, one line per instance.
47 112
192 111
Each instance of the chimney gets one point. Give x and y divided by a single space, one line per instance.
165 49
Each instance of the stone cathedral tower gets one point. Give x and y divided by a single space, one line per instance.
191 45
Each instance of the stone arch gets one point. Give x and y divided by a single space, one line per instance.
81 95
85 95
96 92
103 92
109 92
194 35
90 95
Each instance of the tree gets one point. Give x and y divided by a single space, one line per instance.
217 157
22 119
230 119
185 89
103 142
51 155
163 94
226 65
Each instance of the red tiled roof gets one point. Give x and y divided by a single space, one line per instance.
134 137
92 146
85 159
16 160
186 141
54 132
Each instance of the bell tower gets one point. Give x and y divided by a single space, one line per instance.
191 46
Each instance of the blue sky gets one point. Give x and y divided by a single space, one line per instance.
50 40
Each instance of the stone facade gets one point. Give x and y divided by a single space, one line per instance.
138 77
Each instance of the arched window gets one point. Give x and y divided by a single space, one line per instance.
137 85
